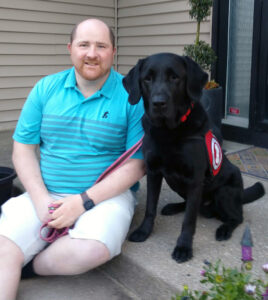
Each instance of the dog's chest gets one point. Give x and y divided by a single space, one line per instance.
170 160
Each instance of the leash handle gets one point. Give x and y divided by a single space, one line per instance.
54 233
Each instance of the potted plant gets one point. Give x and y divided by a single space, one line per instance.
204 55
6 183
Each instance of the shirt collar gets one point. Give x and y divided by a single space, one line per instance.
106 90
70 80
109 85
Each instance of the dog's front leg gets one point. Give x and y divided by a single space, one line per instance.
154 182
183 250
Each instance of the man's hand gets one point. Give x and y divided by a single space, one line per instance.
41 208
70 208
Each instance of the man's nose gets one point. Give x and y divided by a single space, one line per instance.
92 51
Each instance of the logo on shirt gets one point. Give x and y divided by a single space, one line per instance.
105 115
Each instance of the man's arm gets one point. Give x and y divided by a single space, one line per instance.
28 170
112 185
27 167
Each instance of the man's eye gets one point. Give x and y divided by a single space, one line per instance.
82 45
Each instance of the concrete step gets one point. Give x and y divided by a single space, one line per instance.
93 285
147 268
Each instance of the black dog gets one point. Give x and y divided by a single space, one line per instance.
177 145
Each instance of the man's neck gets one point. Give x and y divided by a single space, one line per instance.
89 87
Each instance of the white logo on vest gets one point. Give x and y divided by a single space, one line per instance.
216 153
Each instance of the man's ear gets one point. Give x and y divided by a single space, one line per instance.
131 83
69 45
196 79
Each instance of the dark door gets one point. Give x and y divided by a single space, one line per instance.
259 95
257 130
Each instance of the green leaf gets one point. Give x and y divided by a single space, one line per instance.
202 54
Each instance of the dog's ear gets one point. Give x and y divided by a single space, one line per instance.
196 79
131 83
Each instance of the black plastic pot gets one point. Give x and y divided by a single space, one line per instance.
212 101
7 176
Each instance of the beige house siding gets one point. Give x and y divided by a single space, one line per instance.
150 26
33 38
34 34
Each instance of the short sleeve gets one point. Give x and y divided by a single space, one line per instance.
28 127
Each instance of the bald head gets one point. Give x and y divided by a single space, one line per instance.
93 22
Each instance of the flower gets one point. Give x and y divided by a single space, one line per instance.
212 84
218 279
250 289
265 295
265 268
227 283
248 265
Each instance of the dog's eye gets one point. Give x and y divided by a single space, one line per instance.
148 79
174 77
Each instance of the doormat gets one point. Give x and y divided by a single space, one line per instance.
252 161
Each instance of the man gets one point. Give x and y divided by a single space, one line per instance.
82 121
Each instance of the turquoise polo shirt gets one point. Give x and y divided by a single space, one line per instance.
79 137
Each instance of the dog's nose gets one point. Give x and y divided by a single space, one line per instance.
159 102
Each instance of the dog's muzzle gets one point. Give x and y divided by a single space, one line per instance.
159 104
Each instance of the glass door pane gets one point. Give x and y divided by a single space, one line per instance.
240 33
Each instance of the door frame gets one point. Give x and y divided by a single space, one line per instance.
260 64
257 131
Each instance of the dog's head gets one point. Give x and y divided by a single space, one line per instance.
168 84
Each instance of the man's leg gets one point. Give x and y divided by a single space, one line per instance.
68 256
11 260
97 236
19 242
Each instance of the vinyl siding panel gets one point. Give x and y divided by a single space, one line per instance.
33 39
149 26
34 34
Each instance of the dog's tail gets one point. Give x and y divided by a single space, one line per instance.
253 193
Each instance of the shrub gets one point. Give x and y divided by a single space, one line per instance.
200 51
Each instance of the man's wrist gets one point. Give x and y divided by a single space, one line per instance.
88 203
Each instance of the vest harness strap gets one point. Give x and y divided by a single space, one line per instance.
214 151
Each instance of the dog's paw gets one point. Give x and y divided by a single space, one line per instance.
182 254
224 232
173 208
138 236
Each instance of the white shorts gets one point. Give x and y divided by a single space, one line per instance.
107 222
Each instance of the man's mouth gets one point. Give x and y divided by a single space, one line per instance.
91 64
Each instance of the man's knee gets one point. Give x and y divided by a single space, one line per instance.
71 257
92 250
10 252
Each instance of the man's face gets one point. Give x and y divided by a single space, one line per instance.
91 51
